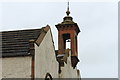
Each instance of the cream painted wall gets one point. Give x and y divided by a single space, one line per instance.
16 67
45 60
68 71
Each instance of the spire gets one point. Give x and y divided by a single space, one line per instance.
68 12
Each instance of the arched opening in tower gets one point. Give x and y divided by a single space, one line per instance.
67 40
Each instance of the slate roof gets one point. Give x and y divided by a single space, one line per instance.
16 43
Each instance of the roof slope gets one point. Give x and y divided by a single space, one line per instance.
16 43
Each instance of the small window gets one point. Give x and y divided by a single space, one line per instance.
48 77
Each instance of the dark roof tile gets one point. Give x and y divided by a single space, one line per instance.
16 43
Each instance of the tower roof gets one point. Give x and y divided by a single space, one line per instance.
68 20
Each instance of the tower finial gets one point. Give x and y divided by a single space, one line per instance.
68 5
68 12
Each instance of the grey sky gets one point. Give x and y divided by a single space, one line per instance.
98 21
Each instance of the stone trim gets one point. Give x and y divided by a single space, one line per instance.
42 35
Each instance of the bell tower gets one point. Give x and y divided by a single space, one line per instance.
67 32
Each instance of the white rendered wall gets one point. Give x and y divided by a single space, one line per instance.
45 60
67 71
16 67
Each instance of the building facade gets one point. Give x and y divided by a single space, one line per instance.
31 53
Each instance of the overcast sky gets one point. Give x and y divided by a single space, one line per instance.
98 22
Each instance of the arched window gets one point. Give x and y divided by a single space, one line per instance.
48 77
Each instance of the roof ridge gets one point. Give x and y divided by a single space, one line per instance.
22 30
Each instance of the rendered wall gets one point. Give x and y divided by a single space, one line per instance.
16 67
45 59
67 71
